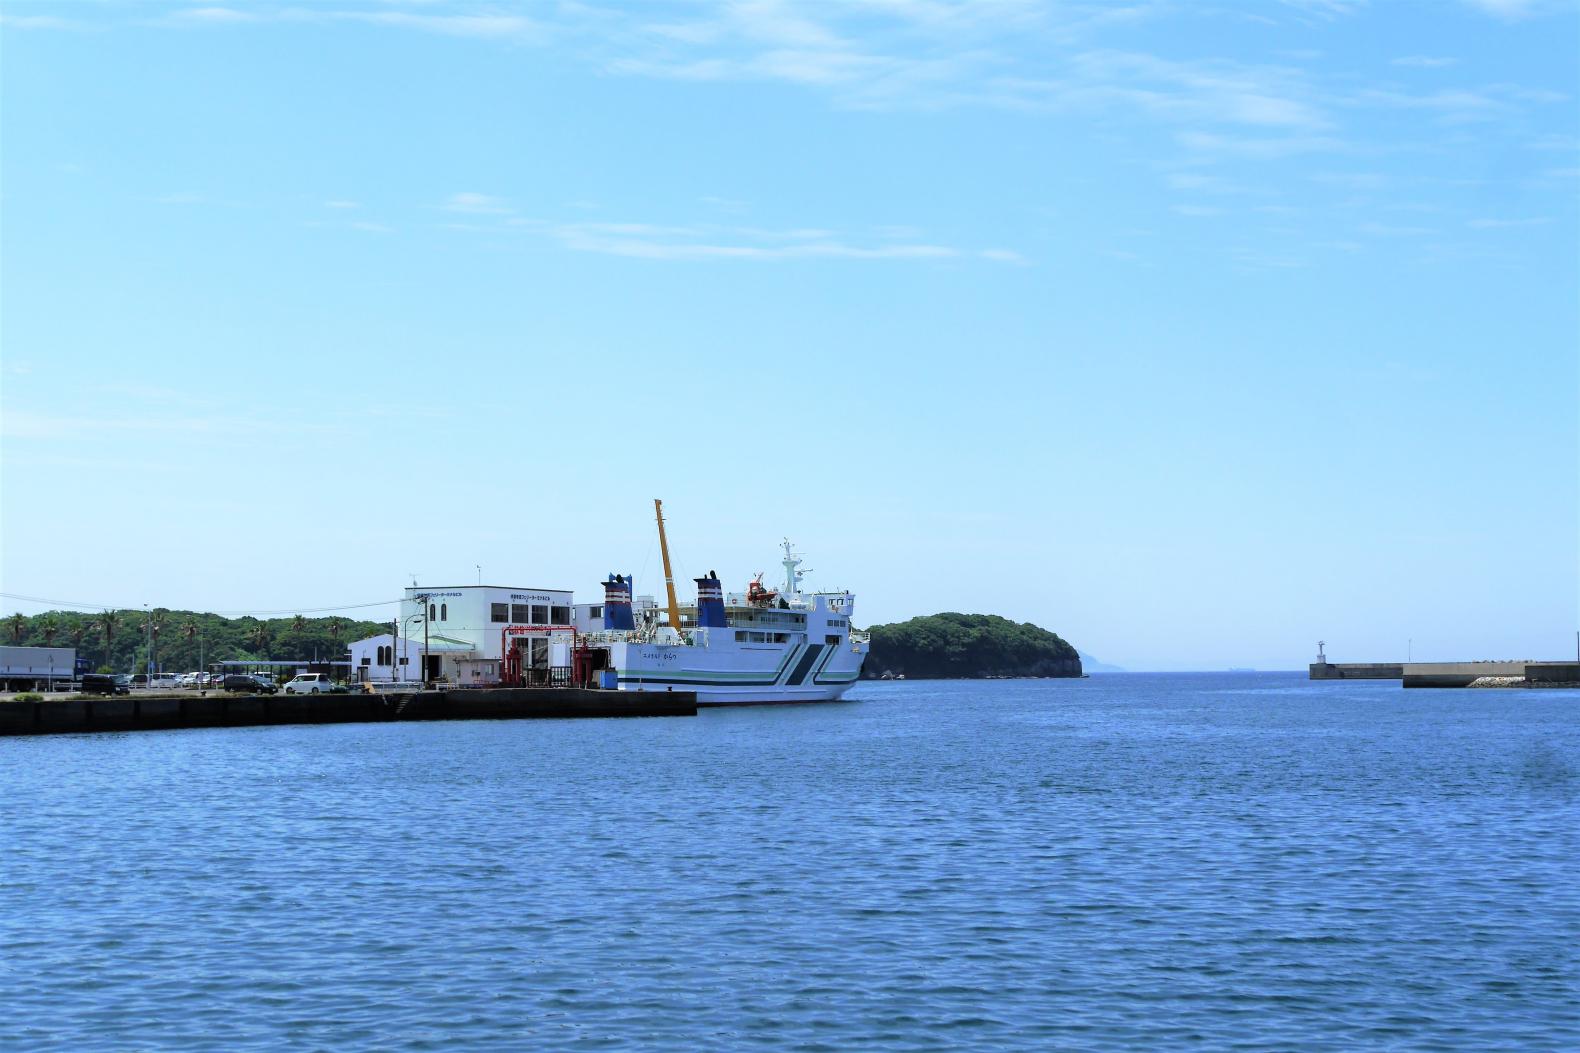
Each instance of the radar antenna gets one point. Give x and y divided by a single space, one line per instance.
793 576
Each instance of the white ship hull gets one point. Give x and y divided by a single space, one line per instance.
727 673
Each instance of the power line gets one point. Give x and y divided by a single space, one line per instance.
238 613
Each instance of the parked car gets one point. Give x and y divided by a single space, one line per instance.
103 684
308 684
163 680
245 682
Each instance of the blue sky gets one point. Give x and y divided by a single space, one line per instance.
1194 332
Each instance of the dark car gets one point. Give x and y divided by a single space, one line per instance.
249 684
103 684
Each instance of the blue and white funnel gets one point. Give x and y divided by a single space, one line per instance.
617 603
710 602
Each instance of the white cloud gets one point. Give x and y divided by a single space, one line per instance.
42 22
1503 224
699 243
341 204
477 204
1424 61
214 15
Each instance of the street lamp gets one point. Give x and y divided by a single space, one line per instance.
409 618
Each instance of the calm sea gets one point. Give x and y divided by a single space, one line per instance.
1129 862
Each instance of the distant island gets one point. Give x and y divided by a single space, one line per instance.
1092 664
967 646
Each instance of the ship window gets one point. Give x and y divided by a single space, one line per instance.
444 612
540 614
781 637
560 615
831 640
740 636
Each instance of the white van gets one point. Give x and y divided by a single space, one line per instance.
308 684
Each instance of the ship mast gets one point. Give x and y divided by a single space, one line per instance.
669 577
792 575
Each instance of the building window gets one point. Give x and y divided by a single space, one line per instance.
444 612
499 612
432 612
560 615
595 611
520 613
540 614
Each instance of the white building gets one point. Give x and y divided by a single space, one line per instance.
466 629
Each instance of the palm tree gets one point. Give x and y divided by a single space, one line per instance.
18 626
154 627
189 629
108 621
50 628
78 630
260 638
298 623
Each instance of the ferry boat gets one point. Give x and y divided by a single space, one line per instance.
763 646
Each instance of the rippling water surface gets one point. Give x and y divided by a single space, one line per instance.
1136 862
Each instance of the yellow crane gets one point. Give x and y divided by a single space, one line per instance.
669 577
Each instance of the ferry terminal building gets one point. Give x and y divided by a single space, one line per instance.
469 630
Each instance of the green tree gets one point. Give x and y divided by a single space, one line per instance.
260 639
108 621
50 628
18 626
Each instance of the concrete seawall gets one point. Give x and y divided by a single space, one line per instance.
155 713
1356 671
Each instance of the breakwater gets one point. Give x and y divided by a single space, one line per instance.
155 712
1455 674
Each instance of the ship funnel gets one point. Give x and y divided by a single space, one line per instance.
710 602
617 603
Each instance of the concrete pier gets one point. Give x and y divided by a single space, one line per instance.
1455 674
152 713
1355 671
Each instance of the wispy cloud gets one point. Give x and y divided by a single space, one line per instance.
707 242
1504 224
214 15
11 21
474 204
1423 61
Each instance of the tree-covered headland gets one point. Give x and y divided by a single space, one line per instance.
950 645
